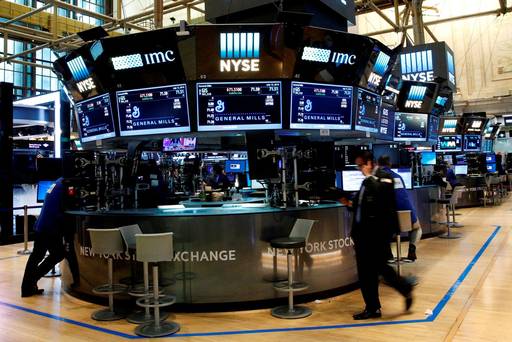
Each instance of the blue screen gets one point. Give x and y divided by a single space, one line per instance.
490 158
472 143
94 118
449 143
367 111
42 189
237 166
320 106
428 158
491 167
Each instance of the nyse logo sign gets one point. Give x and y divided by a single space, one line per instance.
240 52
451 67
78 69
415 97
417 66
138 60
379 69
86 85
313 54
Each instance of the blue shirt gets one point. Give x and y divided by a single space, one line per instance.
51 218
403 202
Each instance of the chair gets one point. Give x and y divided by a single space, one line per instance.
297 239
405 223
107 242
128 233
449 202
456 194
155 248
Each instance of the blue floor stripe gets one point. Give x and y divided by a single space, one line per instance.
437 310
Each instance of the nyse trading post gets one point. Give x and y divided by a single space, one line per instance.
95 118
241 105
153 110
320 106
367 111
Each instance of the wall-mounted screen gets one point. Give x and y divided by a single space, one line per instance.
156 110
433 127
449 143
320 106
428 158
367 111
179 144
507 120
472 143
406 175
351 180
461 169
386 122
411 127
94 118
225 106
490 158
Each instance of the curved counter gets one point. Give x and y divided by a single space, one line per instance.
222 255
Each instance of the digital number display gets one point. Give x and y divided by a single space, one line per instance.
95 119
367 111
410 127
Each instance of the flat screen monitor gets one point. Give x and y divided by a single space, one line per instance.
416 97
351 180
472 143
42 189
474 125
367 111
502 135
94 118
450 125
179 144
157 110
448 158
491 168
235 166
386 122
449 143
228 106
390 150
460 159
320 106
345 155
406 175
433 127
490 158
411 127
507 120
461 169
428 158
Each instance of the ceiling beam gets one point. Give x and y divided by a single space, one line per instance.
371 4
28 14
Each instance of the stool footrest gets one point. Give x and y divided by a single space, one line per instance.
150 302
110 289
295 286
141 292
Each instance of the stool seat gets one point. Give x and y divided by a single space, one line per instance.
288 242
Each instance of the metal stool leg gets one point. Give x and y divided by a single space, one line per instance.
449 234
109 314
455 223
290 311
398 253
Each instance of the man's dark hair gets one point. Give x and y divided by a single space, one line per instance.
384 160
366 156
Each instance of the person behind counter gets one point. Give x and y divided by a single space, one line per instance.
375 221
219 178
403 202
49 234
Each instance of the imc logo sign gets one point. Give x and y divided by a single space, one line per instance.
80 74
417 66
379 69
415 97
239 51
313 54
138 60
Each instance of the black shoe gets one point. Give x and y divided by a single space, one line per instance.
412 253
28 292
408 301
365 314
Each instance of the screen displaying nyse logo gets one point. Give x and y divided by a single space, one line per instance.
379 69
451 67
449 126
313 54
138 60
240 51
415 97
81 74
417 66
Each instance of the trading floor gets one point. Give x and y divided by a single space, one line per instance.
464 294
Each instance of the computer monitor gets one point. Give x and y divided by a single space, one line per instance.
448 158
428 158
406 175
491 168
461 169
42 189
490 158
235 166
351 180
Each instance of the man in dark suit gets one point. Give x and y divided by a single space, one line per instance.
375 221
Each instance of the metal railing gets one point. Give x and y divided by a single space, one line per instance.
25 209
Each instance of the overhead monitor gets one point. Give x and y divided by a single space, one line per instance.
472 143
157 110
461 169
490 158
390 150
416 97
406 175
449 143
502 135
386 122
94 118
320 106
411 127
228 106
351 180
345 155
433 127
367 111
450 125
42 189
507 120
179 144
474 125
428 158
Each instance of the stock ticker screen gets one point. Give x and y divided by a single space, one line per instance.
411 127
95 119
320 106
367 111
449 143
225 106
153 110
472 142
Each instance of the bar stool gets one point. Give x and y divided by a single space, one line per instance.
155 248
297 239
128 233
109 242
405 223
448 202
456 194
